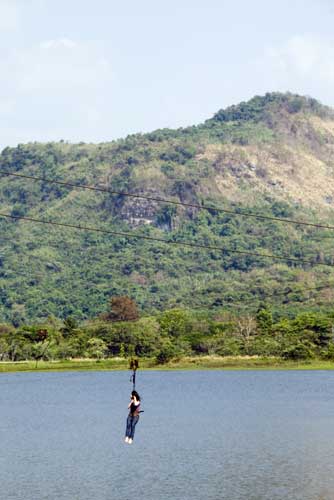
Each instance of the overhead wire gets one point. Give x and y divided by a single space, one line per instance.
162 240
244 303
64 245
180 243
162 200
168 201
226 302
263 299
285 293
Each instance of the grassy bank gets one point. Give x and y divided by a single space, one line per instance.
186 363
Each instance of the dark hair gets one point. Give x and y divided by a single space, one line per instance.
136 395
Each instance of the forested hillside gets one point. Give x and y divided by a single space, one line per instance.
271 156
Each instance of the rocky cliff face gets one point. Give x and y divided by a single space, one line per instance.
278 147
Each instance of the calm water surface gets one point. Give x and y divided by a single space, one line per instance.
204 435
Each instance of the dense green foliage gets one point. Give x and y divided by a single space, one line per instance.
173 334
265 108
47 270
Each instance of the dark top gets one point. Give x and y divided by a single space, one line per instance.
134 409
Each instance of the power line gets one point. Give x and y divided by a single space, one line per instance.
140 260
94 249
263 299
244 303
226 303
262 237
287 292
170 242
172 202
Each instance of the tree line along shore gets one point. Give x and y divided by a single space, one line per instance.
176 338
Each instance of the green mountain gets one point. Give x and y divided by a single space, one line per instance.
271 156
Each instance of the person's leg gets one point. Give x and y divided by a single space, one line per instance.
128 428
133 425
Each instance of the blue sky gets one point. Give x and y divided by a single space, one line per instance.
93 71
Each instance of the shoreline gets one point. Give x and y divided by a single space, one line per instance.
187 363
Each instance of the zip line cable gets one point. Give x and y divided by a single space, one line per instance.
181 243
263 299
286 292
279 294
262 237
139 259
172 202
170 242
246 303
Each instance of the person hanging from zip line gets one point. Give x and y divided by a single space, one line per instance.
133 416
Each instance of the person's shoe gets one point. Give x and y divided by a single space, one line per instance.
130 441
126 439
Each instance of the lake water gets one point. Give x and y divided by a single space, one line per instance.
204 435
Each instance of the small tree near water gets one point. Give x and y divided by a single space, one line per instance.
246 329
40 351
